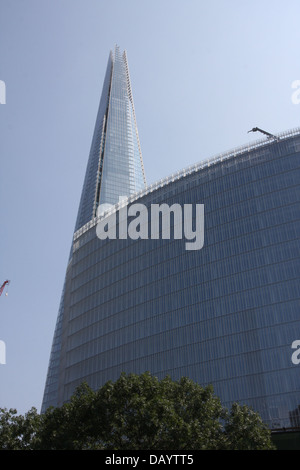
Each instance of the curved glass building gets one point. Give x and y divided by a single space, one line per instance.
222 311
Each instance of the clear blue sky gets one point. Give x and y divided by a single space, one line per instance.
203 73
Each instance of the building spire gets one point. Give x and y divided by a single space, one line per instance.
115 166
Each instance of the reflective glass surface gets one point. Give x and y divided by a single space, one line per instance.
115 166
226 314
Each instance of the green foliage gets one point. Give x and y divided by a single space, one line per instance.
137 412
245 430
18 432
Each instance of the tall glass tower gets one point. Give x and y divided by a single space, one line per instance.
115 169
115 166
225 314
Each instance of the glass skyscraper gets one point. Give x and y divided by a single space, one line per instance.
115 165
226 314
115 169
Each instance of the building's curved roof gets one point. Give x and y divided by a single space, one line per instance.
191 169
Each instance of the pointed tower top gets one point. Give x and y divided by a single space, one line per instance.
115 166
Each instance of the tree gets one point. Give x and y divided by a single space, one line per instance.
18 432
141 412
245 430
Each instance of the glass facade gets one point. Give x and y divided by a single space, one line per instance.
226 314
115 165
114 169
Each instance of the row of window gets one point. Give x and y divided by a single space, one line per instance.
219 322
209 341
256 212
243 386
192 267
202 278
249 299
150 252
130 279
237 255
